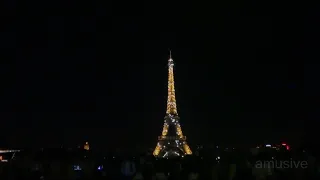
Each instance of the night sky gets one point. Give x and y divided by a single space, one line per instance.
71 72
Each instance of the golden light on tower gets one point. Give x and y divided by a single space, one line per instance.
168 140
171 102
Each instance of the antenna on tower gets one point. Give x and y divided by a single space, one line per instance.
170 57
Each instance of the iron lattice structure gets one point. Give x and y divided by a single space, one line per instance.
172 142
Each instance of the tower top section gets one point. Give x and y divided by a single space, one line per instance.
171 102
170 60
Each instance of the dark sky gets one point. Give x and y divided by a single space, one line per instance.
70 72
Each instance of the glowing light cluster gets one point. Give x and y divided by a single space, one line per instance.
171 102
86 146
165 129
9 151
187 149
179 131
286 145
157 150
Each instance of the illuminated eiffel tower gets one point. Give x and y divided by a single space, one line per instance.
172 142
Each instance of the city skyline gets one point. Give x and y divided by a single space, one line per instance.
76 77
88 136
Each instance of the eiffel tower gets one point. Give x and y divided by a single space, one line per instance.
172 142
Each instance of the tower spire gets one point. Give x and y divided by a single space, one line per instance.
171 102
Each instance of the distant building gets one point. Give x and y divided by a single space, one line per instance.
86 146
7 154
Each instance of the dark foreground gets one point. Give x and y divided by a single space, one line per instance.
64 165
